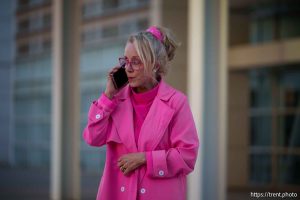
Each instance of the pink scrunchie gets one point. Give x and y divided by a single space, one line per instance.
155 32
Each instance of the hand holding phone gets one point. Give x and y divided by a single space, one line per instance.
116 79
119 78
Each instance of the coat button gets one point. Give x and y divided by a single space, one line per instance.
98 116
161 172
143 190
122 189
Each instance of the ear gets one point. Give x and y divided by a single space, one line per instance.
156 67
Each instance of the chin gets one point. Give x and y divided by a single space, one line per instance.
132 84
135 84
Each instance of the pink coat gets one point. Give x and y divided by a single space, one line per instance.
168 133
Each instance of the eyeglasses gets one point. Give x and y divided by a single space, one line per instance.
134 64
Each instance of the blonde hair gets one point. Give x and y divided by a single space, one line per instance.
154 54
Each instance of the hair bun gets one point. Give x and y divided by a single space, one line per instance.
169 42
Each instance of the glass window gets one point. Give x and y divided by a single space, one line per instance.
36 46
142 24
91 35
23 49
268 26
127 3
47 21
254 32
289 130
87 35
276 129
274 20
289 172
127 28
260 168
37 2
91 9
23 3
260 83
21 156
110 31
290 26
110 4
47 45
289 88
23 26
289 104
261 130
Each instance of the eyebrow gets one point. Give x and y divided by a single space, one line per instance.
135 57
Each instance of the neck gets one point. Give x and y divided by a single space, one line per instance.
145 87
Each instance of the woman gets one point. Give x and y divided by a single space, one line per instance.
147 126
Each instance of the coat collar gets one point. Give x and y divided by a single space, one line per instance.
157 120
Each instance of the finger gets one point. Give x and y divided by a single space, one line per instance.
127 171
126 165
114 69
123 157
130 169
122 169
121 163
112 72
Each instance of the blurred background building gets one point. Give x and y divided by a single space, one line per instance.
264 96
262 73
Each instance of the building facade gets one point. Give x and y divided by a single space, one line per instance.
32 88
264 89
103 36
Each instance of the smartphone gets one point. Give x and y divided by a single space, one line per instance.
119 78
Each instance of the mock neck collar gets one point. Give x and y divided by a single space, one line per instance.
164 92
145 97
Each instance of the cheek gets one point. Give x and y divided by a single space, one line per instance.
143 79
140 75
139 80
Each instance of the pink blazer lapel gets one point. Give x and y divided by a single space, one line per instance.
154 126
157 120
123 120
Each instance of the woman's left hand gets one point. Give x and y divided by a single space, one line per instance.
131 161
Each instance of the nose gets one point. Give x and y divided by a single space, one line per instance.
128 68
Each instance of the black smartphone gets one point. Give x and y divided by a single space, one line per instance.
119 78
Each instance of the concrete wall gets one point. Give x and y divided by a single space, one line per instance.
238 129
174 17
6 70
270 54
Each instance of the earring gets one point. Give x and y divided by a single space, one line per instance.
155 70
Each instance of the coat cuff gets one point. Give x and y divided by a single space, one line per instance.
159 162
149 162
107 104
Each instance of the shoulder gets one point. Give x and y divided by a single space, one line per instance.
179 99
176 98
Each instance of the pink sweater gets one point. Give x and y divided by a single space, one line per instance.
141 103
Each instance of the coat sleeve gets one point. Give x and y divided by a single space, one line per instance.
181 157
99 121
